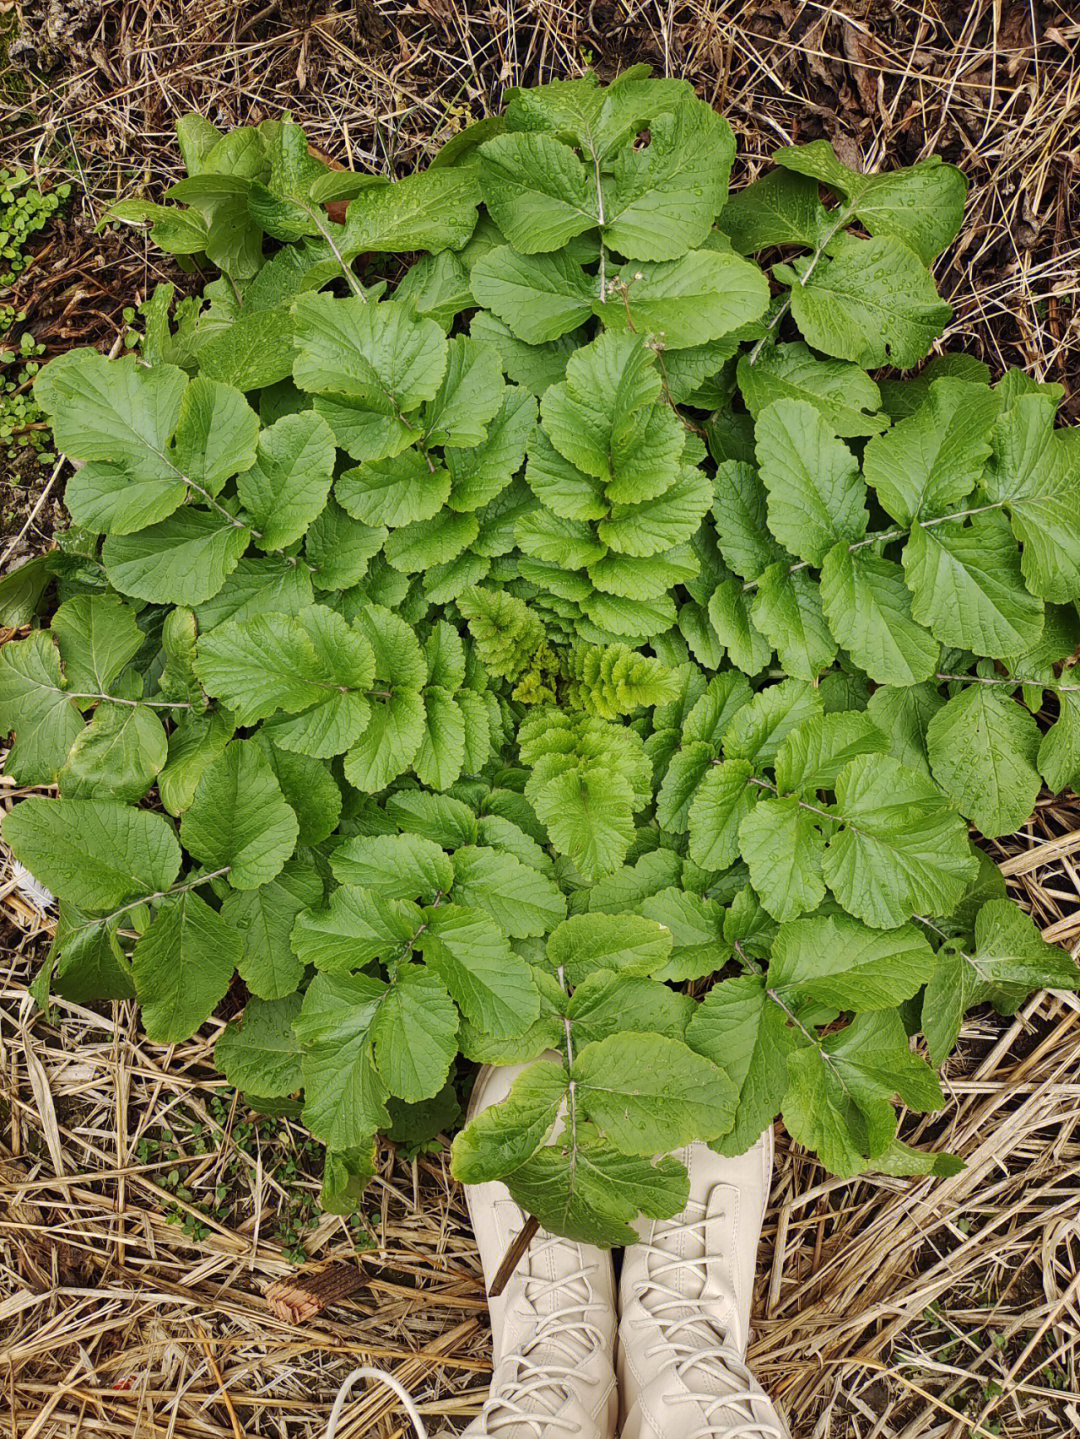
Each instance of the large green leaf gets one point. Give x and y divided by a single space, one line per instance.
318 668
839 1100
869 610
474 960
983 746
688 301
287 486
922 204
97 853
540 297
966 586
370 365
184 560
931 460
182 966
816 494
873 302
537 191
34 702
238 821
900 849
259 1051
647 1093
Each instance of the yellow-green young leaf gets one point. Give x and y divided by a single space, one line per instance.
816 495
983 747
182 966
258 1050
238 820
589 816
646 1093
627 944
96 853
34 703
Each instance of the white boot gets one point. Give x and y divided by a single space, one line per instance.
553 1327
685 1297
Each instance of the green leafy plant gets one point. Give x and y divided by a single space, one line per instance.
23 211
485 656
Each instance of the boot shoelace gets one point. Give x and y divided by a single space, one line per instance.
555 1331
566 1331
700 1348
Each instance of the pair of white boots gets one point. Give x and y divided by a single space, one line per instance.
659 1356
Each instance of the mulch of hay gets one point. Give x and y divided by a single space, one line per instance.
143 1216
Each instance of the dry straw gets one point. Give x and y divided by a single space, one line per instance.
886 1309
